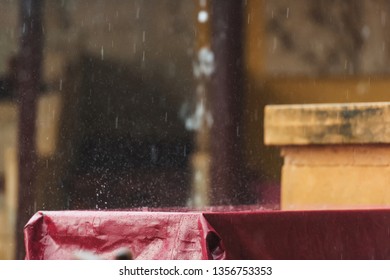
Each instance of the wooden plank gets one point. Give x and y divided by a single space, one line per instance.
348 123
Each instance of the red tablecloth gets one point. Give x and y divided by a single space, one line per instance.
346 234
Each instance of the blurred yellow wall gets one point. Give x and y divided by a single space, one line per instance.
264 88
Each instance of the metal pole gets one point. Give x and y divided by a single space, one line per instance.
226 101
28 87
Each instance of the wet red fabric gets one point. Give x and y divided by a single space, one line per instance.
344 234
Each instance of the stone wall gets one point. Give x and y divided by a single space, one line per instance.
336 37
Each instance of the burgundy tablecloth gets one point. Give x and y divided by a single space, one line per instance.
344 234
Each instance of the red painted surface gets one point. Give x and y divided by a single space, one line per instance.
347 234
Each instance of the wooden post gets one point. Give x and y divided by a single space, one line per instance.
226 99
28 87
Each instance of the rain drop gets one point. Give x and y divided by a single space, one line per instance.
203 16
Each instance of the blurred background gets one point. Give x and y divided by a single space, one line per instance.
140 103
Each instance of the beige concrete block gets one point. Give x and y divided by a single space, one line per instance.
337 155
336 176
343 123
335 187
